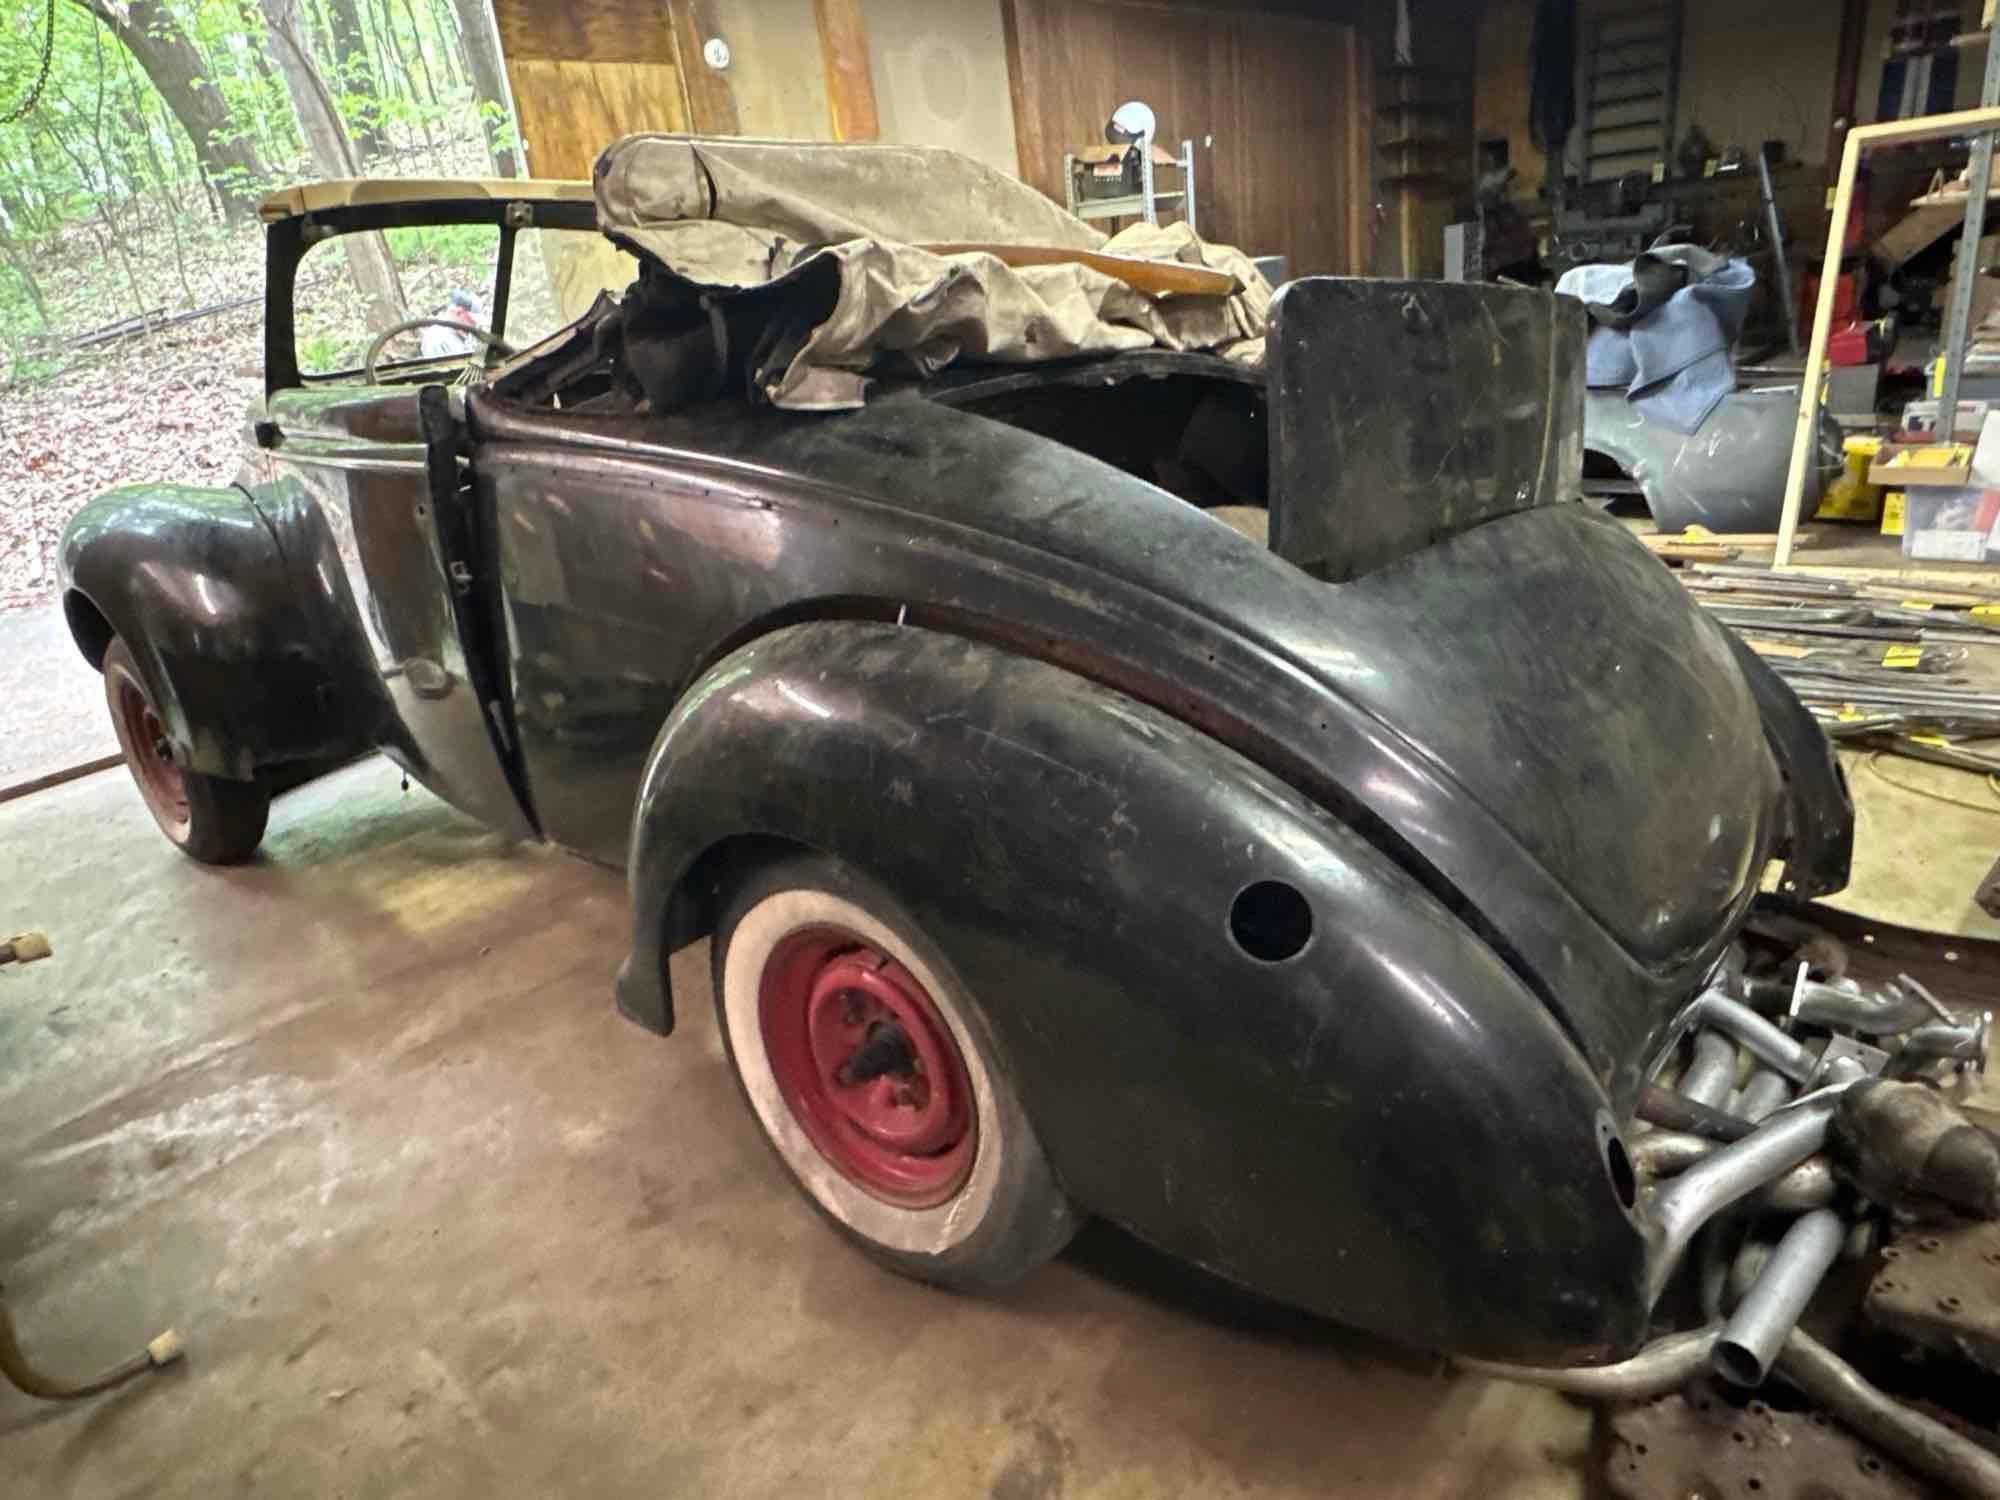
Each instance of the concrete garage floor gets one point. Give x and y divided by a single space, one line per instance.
359 1119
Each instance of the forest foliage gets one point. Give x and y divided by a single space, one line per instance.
131 165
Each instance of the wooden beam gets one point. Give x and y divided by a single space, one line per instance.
1020 34
711 102
850 82
1859 139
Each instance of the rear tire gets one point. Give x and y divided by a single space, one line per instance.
877 1080
208 818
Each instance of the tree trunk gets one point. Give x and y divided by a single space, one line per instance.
489 78
357 76
154 37
23 267
278 141
333 156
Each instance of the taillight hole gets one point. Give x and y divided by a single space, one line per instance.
1623 1181
1271 921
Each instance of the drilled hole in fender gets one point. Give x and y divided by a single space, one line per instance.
1624 1182
1270 921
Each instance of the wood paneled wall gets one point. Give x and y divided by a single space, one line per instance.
585 72
1275 104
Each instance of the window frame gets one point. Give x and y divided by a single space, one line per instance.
287 240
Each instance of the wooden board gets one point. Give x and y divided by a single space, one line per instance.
570 111
585 72
1752 540
1259 94
711 101
1156 278
627 31
850 85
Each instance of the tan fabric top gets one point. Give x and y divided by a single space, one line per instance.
732 213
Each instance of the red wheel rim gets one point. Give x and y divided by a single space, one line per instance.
868 1066
151 759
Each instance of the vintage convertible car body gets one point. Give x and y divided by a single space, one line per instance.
1255 805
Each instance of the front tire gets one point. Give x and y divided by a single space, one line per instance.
877 1081
208 818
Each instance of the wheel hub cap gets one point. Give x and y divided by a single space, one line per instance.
150 757
868 1067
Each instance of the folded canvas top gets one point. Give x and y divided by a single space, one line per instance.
845 226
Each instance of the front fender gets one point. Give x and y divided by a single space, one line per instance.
1385 1127
246 643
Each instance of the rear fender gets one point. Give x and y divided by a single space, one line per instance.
243 633
1819 846
1384 1125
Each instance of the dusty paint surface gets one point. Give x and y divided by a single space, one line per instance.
360 1121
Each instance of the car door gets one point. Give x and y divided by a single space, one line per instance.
359 454
343 430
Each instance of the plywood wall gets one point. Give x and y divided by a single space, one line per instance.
584 72
1272 103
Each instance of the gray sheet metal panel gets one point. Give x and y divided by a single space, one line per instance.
1729 476
1404 412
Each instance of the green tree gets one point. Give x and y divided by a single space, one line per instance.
158 43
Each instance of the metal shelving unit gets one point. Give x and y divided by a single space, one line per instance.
1981 125
1147 202
1965 264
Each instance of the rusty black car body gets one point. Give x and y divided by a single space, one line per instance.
1325 898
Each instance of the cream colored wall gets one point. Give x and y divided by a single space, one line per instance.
940 70
1753 73
775 68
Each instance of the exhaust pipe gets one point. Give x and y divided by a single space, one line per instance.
1766 1042
1711 1074
1929 1447
1664 1365
1769 1311
1765 1091
1681 1207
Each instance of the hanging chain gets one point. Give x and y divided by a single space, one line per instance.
41 77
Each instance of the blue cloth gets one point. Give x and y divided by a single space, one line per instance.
1672 362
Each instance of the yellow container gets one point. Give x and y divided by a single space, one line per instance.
1892 513
1851 497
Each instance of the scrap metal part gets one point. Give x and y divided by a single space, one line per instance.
1697 1443
1757 1329
1676 1210
1905 1146
1664 1365
1925 1445
1939 1289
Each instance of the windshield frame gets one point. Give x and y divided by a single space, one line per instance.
287 240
